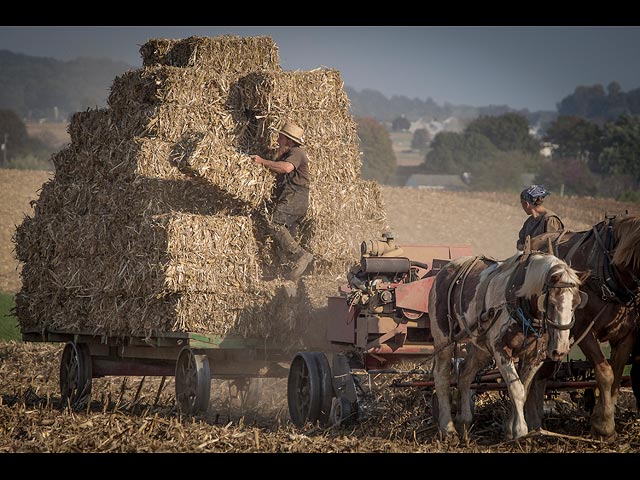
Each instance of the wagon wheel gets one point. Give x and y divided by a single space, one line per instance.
75 375
245 392
309 389
193 382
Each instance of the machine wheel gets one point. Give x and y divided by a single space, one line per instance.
193 382
245 392
75 376
309 389
326 388
341 411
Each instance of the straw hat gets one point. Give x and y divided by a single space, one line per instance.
292 131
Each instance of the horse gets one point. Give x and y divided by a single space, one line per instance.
609 251
519 309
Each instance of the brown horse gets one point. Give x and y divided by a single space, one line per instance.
517 311
610 251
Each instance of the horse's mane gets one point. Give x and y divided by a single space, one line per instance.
538 270
626 231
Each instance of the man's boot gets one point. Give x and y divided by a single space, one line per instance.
289 246
301 265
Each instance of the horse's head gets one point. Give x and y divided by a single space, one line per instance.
555 285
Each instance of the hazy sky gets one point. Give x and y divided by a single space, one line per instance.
523 67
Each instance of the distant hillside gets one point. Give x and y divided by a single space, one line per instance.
372 103
39 87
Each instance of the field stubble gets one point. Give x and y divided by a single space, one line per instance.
126 416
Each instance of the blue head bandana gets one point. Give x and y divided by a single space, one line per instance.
534 191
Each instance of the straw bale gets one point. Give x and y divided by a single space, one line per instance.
90 124
309 92
160 85
172 102
225 54
262 313
336 224
174 252
212 155
160 176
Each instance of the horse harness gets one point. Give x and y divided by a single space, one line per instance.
599 261
606 276
520 309
517 307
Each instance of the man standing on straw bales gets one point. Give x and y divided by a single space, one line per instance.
291 195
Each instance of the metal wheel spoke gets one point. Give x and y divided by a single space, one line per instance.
192 382
75 375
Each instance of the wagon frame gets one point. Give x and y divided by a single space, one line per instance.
194 359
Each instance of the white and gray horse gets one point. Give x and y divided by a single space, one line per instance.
517 312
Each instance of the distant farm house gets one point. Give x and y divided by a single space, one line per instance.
450 124
547 149
437 182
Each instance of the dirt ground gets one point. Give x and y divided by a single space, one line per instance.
127 416
17 189
134 414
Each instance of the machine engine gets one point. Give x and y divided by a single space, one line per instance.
381 271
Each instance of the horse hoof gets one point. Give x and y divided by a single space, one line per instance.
603 430
604 436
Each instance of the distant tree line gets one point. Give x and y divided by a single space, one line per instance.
593 160
36 87
599 106
586 159
373 104
595 103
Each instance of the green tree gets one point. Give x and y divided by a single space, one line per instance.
574 174
574 137
507 132
420 140
621 146
501 171
378 160
586 101
13 129
400 124
455 153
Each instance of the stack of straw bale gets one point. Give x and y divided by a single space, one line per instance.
155 219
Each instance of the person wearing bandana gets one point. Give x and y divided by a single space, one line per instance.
540 219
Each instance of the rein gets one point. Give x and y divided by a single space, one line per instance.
519 309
